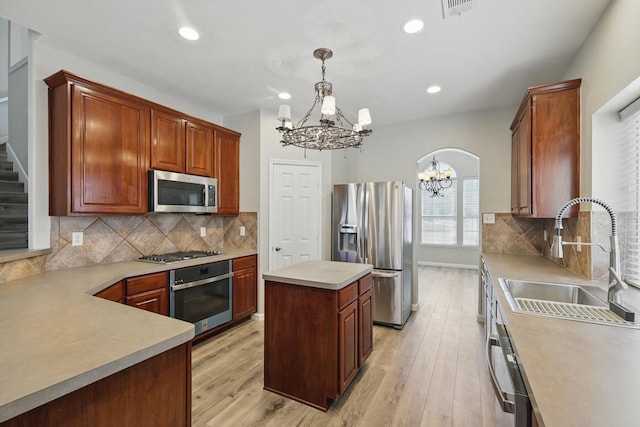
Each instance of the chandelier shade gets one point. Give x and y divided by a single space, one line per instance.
435 181
333 130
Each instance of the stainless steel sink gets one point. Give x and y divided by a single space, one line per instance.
552 292
563 301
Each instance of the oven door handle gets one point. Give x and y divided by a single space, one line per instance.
201 282
507 401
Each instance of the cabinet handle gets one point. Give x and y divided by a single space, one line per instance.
507 402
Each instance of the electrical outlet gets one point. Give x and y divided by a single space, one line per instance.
203 231
488 218
77 238
243 230
579 247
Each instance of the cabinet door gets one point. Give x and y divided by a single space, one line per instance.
113 293
524 163
167 141
155 301
110 146
227 170
515 201
199 148
365 330
348 345
245 298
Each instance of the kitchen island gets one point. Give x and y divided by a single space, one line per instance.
318 329
577 373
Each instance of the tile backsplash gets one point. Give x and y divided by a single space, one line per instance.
525 236
121 238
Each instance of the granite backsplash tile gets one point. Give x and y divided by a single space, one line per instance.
512 235
576 259
123 238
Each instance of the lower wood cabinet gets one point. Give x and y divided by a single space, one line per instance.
149 292
153 393
245 286
114 292
365 317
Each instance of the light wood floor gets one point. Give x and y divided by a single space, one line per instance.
431 373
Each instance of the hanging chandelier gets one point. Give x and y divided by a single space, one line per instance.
434 180
334 129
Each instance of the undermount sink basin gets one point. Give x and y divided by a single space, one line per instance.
562 301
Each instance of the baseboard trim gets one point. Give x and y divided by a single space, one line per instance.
415 307
258 316
443 264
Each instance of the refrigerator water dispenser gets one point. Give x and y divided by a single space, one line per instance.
348 239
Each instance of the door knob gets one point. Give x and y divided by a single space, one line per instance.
278 248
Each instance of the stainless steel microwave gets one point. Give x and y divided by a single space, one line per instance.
179 192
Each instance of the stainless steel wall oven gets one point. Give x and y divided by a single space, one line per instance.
202 294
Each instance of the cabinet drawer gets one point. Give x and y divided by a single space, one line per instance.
244 262
364 284
347 294
139 284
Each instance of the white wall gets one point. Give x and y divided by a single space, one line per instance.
608 62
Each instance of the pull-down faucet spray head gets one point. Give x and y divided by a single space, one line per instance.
556 244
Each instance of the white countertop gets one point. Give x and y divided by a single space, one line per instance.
579 374
332 275
57 337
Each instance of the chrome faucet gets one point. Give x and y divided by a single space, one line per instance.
616 284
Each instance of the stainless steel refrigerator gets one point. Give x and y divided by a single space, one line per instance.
371 224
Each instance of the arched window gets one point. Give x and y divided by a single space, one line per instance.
454 218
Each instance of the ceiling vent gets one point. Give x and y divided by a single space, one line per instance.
454 7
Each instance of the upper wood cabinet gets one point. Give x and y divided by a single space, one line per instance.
98 149
227 171
199 146
545 170
167 141
181 144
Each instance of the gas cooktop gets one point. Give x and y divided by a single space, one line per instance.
177 256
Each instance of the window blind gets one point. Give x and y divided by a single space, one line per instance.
630 177
471 212
439 217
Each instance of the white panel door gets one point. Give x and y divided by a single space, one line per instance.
295 213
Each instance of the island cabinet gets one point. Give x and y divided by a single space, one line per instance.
245 286
318 329
149 292
95 168
227 171
545 150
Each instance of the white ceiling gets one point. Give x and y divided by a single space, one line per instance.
250 50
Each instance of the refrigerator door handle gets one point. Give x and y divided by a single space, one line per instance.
378 273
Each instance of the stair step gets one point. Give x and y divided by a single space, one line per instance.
13 197
3 147
14 209
10 186
13 240
4 157
12 222
6 166
8 176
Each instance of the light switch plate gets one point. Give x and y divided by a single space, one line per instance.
488 218
77 238
243 230
203 231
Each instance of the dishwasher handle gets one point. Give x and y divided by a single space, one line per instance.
507 401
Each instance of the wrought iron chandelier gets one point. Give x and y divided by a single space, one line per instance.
434 180
334 131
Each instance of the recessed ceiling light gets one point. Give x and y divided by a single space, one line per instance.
284 95
413 26
433 89
189 33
